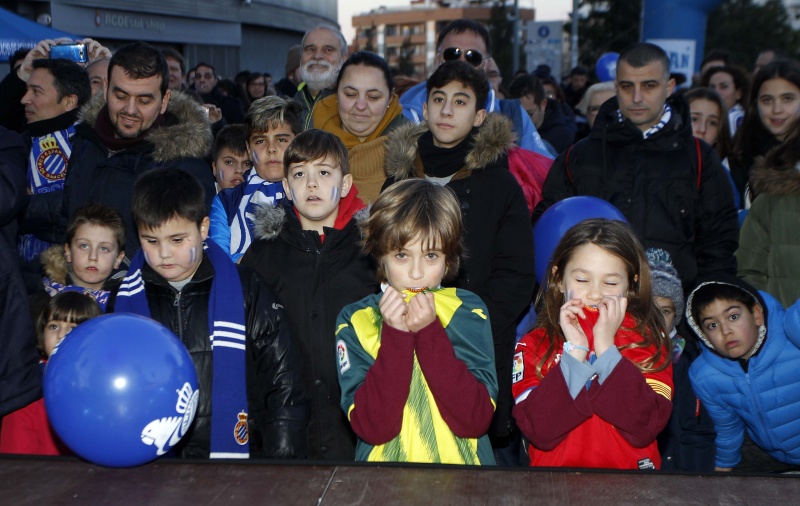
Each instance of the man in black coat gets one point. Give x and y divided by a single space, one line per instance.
19 370
641 157
141 125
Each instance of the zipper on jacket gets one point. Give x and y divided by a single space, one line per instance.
767 432
177 305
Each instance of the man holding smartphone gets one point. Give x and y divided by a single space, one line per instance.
50 91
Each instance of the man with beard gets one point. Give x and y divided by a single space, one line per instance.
324 51
139 125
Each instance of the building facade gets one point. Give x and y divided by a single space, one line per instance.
230 34
407 35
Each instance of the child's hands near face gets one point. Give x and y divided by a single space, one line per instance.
421 311
568 320
612 312
393 308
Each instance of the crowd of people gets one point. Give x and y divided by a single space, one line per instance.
368 238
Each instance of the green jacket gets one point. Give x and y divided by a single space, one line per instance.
769 243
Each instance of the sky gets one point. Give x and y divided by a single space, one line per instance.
546 10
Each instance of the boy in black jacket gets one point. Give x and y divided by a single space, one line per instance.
307 249
249 369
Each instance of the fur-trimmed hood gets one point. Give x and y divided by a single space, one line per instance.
773 180
54 263
186 134
269 220
492 141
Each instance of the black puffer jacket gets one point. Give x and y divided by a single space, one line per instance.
277 400
654 183
314 281
96 174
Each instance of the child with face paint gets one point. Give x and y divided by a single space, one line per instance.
270 126
89 261
416 363
307 249
248 367
593 383
230 158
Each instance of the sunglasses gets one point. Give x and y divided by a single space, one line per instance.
473 57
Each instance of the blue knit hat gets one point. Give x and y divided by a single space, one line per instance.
666 282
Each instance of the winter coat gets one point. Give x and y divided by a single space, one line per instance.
687 442
314 280
277 399
20 380
499 263
655 183
769 244
97 175
765 399
557 128
308 104
232 109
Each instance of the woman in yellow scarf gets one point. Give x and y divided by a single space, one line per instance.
362 113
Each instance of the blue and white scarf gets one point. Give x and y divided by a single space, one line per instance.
655 128
257 192
226 323
52 288
47 168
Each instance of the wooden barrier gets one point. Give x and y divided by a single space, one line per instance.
54 481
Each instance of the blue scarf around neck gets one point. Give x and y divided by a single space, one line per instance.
226 323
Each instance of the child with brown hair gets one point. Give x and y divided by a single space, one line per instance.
416 363
593 383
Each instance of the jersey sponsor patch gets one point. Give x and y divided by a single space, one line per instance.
519 368
344 357
646 464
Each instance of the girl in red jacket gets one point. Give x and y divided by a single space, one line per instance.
27 430
593 382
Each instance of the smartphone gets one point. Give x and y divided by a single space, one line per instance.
71 52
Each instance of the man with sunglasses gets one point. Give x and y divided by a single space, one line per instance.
468 40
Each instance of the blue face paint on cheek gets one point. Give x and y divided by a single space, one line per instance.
334 194
221 175
147 259
193 254
255 157
294 199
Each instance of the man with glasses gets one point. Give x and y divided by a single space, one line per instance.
465 39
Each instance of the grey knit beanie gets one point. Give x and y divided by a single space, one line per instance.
666 282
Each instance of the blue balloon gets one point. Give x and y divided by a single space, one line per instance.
606 67
120 390
559 218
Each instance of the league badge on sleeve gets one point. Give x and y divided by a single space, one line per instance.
519 368
344 357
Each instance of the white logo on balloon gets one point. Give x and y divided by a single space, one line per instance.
164 433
